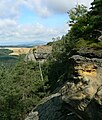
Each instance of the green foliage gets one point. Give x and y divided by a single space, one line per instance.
9 60
57 63
6 59
81 35
49 43
82 43
96 46
88 44
86 26
5 52
21 88
95 19
76 13
96 14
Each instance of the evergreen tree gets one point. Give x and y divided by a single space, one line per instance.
96 14
95 23
76 13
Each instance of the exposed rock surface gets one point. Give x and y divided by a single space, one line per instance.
51 108
100 38
30 56
83 91
81 95
38 53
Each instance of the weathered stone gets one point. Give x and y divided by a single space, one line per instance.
51 108
90 53
84 89
81 95
30 56
38 53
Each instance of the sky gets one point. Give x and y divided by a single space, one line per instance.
25 21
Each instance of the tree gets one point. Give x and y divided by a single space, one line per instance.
86 24
21 88
76 13
79 24
95 15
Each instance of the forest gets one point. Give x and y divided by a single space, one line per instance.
21 86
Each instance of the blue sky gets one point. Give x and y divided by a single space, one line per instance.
25 21
27 16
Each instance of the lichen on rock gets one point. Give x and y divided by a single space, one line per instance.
83 90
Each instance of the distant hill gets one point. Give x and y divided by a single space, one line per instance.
24 44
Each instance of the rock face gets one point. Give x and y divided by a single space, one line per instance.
38 53
83 91
30 56
51 108
80 97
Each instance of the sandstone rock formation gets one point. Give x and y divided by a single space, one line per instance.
83 90
30 56
38 53
80 97
51 108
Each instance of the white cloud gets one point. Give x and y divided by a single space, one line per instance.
62 6
9 9
7 23
11 30
18 32
36 6
45 8
59 6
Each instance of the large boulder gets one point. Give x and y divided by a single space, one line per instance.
51 108
38 53
83 90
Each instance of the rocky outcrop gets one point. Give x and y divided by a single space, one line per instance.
80 97
38 53
30 56
83 90
100 37
51 108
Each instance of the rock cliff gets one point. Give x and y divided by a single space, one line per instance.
38 53
83 90
80 98
51 108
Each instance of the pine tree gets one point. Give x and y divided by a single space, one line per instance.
96 14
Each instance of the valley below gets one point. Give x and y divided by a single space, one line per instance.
17 50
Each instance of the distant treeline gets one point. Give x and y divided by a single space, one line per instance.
7 60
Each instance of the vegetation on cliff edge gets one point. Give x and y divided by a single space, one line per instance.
21 87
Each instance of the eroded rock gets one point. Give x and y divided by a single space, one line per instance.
84 88
38 53
81 95
52 108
